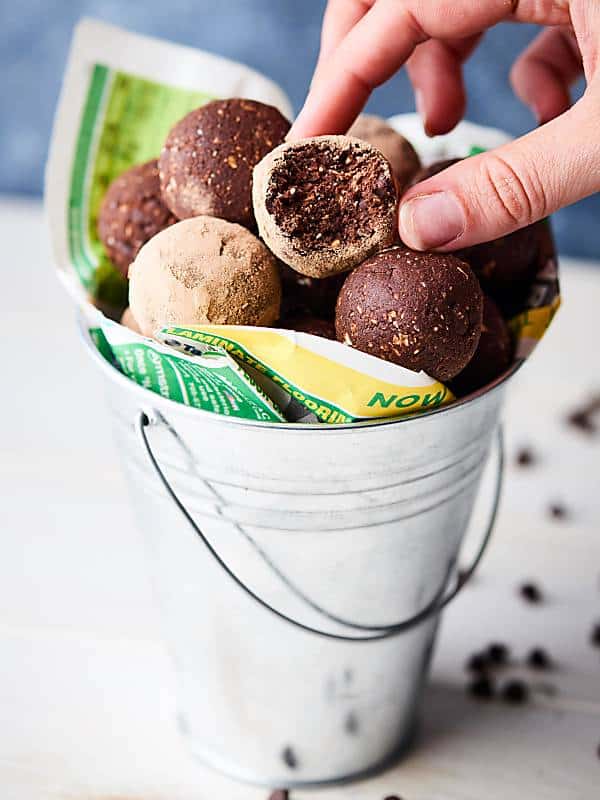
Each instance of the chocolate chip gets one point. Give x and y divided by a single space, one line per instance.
530 592
478 662
392 797
279 794
498 653
515 692
538 658
289 758
482 688
557 511
595 635
583 418
582 421
525 457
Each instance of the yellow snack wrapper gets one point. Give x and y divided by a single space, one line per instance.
332 382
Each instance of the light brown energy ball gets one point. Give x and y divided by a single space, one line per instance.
399 151
207 161
325 204
204 271
420 310
132 212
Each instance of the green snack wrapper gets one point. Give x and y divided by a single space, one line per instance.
211 381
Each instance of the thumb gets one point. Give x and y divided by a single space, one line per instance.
491 195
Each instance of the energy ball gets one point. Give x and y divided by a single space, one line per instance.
207 160
325 204
131 213
304 296
204 271
420 310
318 327
505 263
128 320
493 355
433 169
399 151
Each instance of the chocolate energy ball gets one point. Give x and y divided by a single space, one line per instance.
207 161
493 355
204 271
318 327
399 151
325 204
433 169
505 264
420 310
131 213
304 296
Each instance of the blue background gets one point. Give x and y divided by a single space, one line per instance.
278 37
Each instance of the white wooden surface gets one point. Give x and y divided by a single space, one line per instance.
86 688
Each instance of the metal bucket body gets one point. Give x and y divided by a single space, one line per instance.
360 522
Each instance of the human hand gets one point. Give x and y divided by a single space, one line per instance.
364 42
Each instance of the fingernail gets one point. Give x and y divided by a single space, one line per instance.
431 220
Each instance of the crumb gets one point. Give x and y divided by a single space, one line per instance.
482 688
558 511
289 758
498 653
525 457
515 692
530 592
478 662
539 659
582 418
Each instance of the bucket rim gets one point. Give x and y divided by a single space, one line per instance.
151 400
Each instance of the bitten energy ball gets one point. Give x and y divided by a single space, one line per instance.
493 354
131 213
204 271
324 204
318 327
420 310
399 151
304 296
207 161
505 263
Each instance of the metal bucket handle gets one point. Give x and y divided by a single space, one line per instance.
382 632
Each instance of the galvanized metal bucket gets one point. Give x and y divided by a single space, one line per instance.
301 571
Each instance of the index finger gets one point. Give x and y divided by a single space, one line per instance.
382 41
339 18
